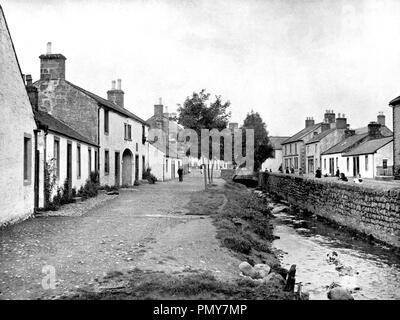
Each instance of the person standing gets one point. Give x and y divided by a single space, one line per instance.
180 174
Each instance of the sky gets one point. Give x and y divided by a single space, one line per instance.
285 59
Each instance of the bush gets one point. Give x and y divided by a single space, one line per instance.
89 190
149 176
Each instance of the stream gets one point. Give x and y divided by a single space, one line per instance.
369 271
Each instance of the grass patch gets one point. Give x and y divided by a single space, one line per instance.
139 284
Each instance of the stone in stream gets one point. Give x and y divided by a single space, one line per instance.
279 209
246 269
275 280
339 293
261 270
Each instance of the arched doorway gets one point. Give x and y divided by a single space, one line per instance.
127 168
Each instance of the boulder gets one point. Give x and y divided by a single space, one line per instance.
279 209
261 270
339 293
274 280
246 269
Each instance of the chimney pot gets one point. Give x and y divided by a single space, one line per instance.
28 80
113 85
48 47
381 118
119 84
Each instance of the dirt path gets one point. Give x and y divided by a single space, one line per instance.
145 228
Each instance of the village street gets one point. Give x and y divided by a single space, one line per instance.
145 227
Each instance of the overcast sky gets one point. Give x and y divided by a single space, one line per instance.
285 59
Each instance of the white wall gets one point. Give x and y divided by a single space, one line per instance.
114 141
340 163
16 119
156 162
273 163
77 182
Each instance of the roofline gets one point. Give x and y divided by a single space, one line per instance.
395 100
327 151
364 153
12 43
315 125
68 136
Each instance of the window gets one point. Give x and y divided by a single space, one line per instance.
296 163
295 148
143 134
128 132
325 164
308 149
96 161
137 147
366 163
337 163
106 121
290 148
106 162
166 165
384 163
89 161
27 159
56 156
315 148
348 164
78 161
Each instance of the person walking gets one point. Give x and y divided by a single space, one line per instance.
180 174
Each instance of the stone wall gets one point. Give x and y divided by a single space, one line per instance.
369 210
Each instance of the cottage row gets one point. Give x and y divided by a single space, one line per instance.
331 146
54 126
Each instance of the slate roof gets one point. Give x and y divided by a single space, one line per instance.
276 142
108 104
320 136
60 127
346 144
370 146
300 135
385 131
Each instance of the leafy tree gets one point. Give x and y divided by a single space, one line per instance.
198 112
262 147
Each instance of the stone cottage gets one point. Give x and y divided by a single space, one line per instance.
17 136
67 157
121 135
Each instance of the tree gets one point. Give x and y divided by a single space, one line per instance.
198 112
262 147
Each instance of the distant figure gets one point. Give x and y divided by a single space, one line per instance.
301 171
358 179
287 170
280 169
291 170
343 177
180 174
318 173
337 172
270 170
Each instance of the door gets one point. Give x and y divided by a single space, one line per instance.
69 166
331 166
172 169
127 168
137 168
117 169
143 165
356 166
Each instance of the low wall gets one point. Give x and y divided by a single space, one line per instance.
365 209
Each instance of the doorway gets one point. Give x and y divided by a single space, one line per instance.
137 168
331 166
117 168
356 166
69 166
127 168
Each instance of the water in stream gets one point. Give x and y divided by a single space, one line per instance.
373 270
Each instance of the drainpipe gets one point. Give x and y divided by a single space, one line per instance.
98 143
36 174
44 162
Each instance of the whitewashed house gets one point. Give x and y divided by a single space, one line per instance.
17 136
275 161
121 135
371 159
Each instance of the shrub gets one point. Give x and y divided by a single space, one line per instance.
149 176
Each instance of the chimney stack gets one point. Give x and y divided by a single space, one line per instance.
349 133
374 130
381 118
116 95
159 109
341 121
52 65
325 126
329 116
309 122
233 125
32 92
